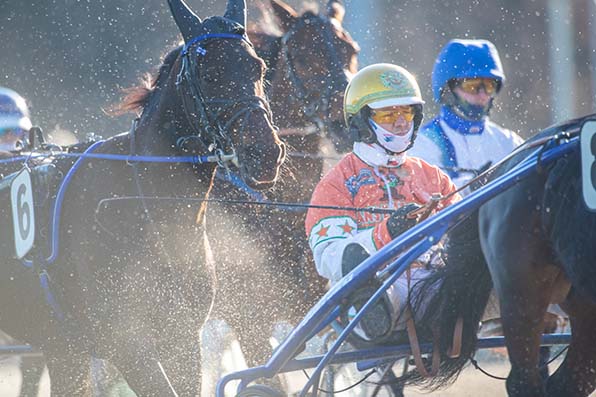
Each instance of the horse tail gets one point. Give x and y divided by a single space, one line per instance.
569 225
460 289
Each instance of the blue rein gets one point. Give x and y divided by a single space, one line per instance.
42 263
126 157
57 209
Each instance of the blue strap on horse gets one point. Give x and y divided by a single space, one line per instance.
201 51
41 263
435 133
234 179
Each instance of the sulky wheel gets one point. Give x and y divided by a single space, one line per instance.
260 391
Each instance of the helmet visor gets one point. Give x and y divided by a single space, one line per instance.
474 85
390 116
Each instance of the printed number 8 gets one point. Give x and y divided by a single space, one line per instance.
24 212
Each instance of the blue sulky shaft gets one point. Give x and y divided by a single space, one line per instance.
409 245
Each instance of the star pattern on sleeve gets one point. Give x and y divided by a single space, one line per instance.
346 228
323 231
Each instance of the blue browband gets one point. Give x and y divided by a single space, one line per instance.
201 51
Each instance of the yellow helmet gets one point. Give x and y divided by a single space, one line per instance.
380 85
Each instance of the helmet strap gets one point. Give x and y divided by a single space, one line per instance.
360 130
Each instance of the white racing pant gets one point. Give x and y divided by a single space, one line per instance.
399 294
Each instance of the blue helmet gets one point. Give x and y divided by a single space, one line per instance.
13 110
466 59
14 119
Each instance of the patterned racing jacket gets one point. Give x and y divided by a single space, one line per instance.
354 183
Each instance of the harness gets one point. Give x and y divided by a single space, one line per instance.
205 124
302 95
203 114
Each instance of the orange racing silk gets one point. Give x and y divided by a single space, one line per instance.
353 183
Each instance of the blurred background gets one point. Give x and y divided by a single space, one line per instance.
71 58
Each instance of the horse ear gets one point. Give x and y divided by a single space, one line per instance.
286 14
188 22
236 11
336 10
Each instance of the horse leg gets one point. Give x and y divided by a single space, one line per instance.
550 326
69 372
31 372
523 328
253 333
181 358
576 376
184 309
518 258
144 373
216 336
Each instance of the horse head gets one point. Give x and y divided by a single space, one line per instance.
220 83
318 57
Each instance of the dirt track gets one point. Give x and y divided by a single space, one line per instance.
470 384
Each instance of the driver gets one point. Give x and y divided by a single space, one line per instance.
14 121
383 109
461 139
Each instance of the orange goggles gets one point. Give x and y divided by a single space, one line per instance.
472 86
391 116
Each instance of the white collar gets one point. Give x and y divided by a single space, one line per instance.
376 156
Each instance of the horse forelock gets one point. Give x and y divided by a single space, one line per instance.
218 24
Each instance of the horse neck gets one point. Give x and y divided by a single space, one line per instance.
286 112
155 135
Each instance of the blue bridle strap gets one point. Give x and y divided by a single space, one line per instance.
207 36
236 181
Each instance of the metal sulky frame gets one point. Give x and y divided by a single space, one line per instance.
398 255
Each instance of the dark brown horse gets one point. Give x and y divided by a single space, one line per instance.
535 242
131 275
265 270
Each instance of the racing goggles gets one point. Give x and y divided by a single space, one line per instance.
391 116
472 86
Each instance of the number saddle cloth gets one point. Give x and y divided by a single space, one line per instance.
45 180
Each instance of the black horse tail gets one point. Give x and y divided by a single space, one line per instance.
459 289
570 226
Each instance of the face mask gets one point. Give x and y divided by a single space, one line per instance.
390 141
469 111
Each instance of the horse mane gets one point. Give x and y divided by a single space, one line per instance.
137 97
446 295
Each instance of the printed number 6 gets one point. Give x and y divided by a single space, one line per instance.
24 211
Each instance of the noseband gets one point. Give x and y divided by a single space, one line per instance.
204 115
309 107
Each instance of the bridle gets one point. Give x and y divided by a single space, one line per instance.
302 95
203 114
